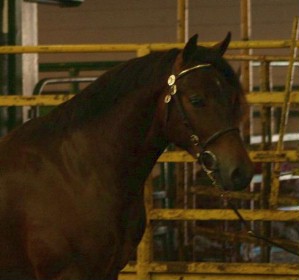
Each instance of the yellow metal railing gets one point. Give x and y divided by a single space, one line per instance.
254 98
146 268
267 44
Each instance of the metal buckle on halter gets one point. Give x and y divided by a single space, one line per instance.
208 161
194 139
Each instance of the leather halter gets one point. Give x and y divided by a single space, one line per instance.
200 146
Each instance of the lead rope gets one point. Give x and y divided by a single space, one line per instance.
225 197
248 228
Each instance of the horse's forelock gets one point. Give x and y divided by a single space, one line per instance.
205 55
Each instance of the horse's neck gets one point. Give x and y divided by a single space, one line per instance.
135 133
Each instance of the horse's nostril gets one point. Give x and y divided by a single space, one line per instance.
240 179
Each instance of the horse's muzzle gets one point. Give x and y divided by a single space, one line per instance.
240 177
231 177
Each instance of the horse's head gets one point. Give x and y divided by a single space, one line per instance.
203 105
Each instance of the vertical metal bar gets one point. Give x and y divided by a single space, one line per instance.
245 66
181 21
288 85
186 20
182 36
14 61
284 114
185 205
74 87
145 248
4 64
181 169
29 61
179 203
245 36
245 20
266 134
266 167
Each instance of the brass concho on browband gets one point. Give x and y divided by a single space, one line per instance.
172 80
207 159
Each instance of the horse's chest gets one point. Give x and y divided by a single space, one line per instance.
113 235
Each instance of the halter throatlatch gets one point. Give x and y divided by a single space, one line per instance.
207 159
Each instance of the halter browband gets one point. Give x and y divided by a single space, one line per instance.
173 78
186 71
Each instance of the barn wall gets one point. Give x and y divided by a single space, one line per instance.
135 21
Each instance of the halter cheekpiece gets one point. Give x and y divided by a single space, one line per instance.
207 158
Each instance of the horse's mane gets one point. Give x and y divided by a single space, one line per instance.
147 71
100 95
136 73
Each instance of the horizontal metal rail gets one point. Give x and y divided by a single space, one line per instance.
84 48
196 267
270 98
223 214
212 191
38 89
34 100
256 59
243 237
219 271
78 66
255 156
274 98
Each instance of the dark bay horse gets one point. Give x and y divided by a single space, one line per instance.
71 182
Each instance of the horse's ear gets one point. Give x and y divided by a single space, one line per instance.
190 48
222 46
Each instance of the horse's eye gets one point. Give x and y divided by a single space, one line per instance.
197 101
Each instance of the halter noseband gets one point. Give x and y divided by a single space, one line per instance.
207 159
